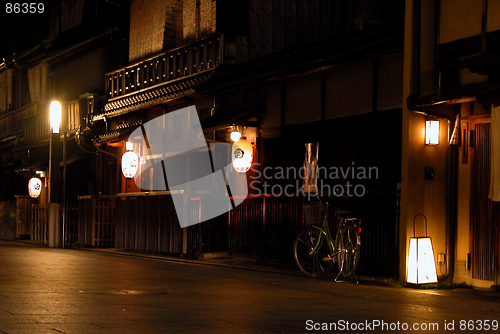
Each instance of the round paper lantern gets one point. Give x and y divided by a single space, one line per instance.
34 187
242 155
130 162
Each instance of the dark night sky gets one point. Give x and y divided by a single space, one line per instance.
20 31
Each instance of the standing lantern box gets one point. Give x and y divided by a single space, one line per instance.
421 266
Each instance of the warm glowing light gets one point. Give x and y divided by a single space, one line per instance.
242 154
55 116
235 136
130 162
421 266
34 187
431 132
129 146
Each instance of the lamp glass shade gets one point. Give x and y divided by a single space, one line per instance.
431 132
421 266
130 162
34 187
242 155
55 116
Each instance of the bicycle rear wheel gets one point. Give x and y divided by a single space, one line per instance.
312 263
349 250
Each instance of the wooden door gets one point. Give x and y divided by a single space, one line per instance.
483 230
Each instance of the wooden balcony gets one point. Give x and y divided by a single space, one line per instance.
198 56
36 126
11 123
31 123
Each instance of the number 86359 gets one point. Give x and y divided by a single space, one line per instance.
24 8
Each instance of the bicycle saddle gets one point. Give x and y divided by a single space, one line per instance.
342 212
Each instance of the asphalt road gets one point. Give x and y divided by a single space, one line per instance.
46 290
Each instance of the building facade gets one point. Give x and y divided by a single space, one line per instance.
82 40
285 74
450 76
361 78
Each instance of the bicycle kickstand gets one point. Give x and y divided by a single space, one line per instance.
355 277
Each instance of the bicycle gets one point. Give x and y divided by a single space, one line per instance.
315 251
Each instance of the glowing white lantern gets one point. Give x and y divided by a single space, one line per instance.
130 162
34 187
431 132
421 266
242 155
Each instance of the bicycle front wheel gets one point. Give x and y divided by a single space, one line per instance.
311 253
349 250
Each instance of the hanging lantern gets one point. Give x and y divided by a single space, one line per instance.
130 162
34 187
421 266
242 154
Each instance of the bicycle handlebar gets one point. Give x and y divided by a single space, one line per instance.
336 193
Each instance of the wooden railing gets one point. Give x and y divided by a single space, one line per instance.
11 123
74 119
96 220
39 223
195 57
23 216
71 228
36 126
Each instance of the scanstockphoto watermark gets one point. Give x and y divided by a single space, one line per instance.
343 181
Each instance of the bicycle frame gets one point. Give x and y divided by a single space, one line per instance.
331 243
343 247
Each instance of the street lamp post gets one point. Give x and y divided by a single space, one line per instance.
55 157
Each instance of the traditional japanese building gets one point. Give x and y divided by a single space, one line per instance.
82 40
451 76
285 73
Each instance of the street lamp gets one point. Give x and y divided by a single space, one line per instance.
55 157
55 116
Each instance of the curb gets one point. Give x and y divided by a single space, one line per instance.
202 262
220 262
225 262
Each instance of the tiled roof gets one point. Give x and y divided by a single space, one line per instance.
115 134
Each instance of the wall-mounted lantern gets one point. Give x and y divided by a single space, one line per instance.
130 161
421 266
431 132
34 187
242 155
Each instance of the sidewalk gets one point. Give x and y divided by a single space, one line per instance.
246 263
234 261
